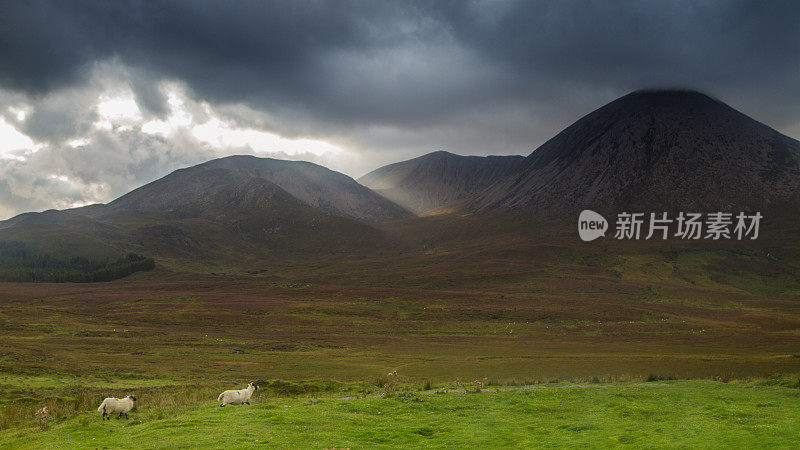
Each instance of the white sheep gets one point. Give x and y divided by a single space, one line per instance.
242 396
119 406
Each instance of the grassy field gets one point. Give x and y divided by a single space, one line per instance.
177 344
662 414
244 329
501 311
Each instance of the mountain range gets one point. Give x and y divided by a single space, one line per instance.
649 150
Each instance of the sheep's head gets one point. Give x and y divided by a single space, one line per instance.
132 397
255 386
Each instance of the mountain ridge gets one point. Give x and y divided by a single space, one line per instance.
217 209
437 179
315 185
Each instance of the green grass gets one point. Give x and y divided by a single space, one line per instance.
661 414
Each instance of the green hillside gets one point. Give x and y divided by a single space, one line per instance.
754 414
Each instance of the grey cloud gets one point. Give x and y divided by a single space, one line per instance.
404 63
65 114
109 165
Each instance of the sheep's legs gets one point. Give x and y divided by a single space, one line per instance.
247 403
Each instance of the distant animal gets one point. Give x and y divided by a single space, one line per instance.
119 406
242 396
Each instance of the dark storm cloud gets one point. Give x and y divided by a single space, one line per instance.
406 63
255 51
718 45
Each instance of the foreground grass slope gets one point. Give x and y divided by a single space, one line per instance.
660 414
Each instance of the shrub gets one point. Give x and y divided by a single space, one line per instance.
42 418
408 396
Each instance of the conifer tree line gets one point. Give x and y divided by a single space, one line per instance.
18 262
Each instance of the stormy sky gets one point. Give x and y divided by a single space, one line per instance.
99 97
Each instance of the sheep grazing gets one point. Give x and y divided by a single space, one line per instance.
119 406
242 396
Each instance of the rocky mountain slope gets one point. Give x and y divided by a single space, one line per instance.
670 150
314 185
438 179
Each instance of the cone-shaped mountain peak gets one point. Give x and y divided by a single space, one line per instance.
663 149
